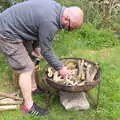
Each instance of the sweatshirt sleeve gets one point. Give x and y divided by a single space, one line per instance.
46 35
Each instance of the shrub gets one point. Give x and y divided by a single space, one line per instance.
86 37
96 39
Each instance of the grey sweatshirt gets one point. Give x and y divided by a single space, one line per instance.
36 20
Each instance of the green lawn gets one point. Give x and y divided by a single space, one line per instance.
109 107
78 44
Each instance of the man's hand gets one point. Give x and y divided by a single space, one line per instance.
36 52
64 72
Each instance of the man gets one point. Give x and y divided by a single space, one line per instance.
34 22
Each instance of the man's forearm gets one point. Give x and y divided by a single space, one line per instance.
53 60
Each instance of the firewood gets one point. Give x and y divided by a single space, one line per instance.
2 94
80 68
9 107
79 64
88 72
13 94
50 72
93 73
71 66
70 61
9 101
81 72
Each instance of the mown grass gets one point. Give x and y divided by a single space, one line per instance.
71 45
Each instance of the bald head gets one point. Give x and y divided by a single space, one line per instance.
72 17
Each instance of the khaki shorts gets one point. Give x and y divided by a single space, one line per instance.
17 54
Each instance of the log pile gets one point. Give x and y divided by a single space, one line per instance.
10 101
82 72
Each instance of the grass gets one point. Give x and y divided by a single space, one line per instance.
109 107
69 45
78 44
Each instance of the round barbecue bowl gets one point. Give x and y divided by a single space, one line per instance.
87 86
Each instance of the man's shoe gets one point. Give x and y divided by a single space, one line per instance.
35 110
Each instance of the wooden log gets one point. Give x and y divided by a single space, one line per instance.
13 94
71 66
9 101
9 107
88 72
93 73
2 94
80 70
50 72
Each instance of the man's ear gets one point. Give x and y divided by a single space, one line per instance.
65 20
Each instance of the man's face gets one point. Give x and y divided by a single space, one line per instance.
69 26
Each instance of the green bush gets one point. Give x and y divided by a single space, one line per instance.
86 37
96 39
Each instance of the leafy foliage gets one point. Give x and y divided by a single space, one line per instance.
86 37
7 3
96 39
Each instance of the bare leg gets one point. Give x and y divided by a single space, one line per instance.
36 53
25 85
34 85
